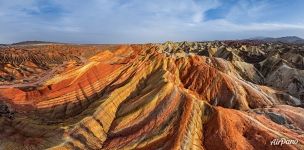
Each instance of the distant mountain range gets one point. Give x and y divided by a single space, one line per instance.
286 39
28 43
32 42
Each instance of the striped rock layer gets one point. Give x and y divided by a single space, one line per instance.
155 96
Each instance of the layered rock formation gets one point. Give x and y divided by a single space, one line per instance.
27 63
200 95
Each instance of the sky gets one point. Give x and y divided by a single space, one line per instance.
144 21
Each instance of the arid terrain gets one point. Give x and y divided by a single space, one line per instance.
217 95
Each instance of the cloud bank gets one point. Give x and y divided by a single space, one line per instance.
137 21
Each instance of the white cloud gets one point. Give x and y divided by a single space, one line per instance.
121 21
245 11
225 25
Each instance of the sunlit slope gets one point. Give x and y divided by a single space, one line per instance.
155 96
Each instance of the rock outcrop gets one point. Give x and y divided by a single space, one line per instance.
187 95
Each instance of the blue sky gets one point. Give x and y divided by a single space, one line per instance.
141 21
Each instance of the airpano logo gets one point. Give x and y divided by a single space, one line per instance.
283 141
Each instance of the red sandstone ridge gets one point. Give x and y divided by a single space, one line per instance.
201 95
